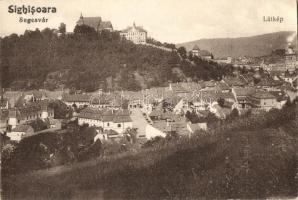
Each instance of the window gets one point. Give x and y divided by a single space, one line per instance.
119 125
108 124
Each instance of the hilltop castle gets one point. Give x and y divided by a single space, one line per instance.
134 33
96 23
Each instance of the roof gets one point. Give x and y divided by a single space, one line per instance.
244 92
117 116
22 128
105 25
33 108
93 22
196 47
209 83
122 118
263 95
235 81
268 82
76 97
222 86
122 112
280 95
37 94
91 113
137 28
225 95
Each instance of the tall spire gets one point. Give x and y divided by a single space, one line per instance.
134 24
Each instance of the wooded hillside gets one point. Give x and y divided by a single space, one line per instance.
88 60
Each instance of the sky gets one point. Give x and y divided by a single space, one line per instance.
174 21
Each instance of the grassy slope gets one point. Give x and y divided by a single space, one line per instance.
206 166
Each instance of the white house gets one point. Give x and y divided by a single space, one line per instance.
19 132
116 120
134 33
78 100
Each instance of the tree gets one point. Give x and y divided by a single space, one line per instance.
38 125
4 79
182 52
61 110
7 152
190 57
221 102
84 30
62 28
234 114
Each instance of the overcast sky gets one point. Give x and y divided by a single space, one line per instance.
165 20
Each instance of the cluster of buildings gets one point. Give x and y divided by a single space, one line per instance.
152 112
136 34
15 117
279 62
206 55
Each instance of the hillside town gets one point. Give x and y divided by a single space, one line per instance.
182 107
116 102
257 85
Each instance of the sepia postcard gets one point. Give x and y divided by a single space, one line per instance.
148 99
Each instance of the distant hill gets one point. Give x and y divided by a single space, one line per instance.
243 46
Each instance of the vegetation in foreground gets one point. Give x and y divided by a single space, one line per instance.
256 159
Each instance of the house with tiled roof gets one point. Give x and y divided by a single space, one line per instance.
78 100
20 132
223 87
96 23
105 25
106 101
267 83
30 112
108 119
237 81
263 100
242 96
136 34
